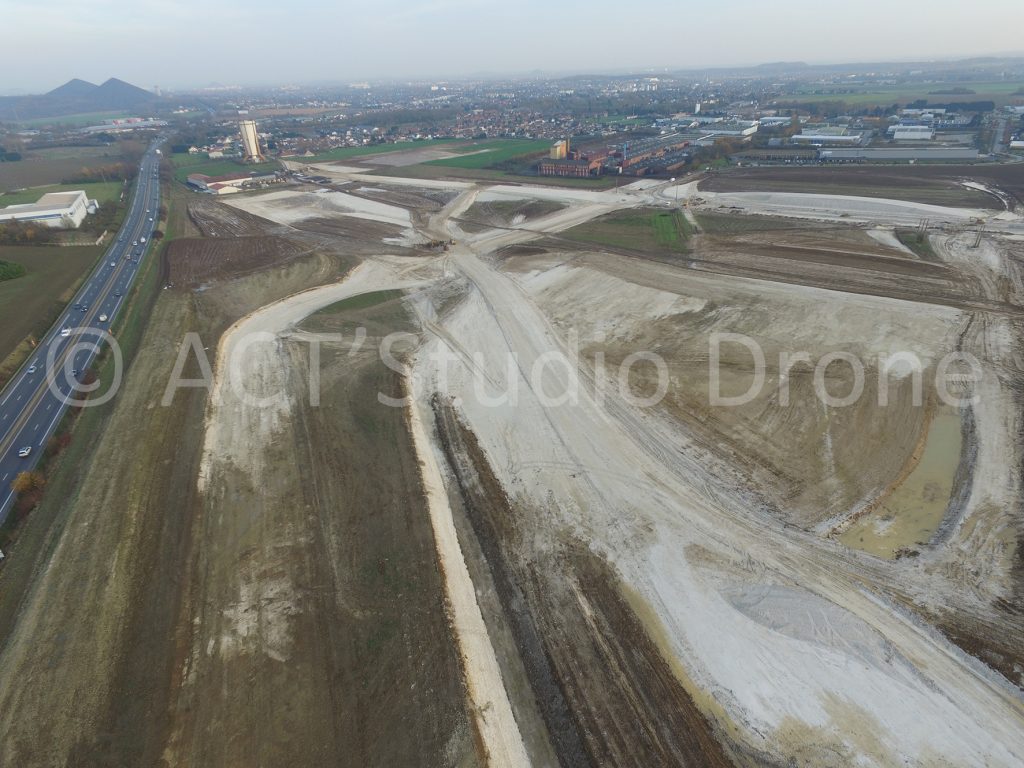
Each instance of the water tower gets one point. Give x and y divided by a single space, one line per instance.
251 141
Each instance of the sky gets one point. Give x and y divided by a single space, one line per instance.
184 43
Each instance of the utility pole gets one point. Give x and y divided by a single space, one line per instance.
978 236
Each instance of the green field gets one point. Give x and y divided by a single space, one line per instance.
643 230
731 224
487 154
30 304
344 153
473 154
477 160
51 166
184 164
82 155
1001 92
105 191
10 270
427 171
361 301
917 242
82 118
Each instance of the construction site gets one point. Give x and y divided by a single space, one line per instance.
461 490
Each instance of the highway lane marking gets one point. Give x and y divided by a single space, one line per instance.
100 278
86 289
91 324
52 424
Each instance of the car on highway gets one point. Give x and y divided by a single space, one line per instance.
65 332
113 263
117 293
32 369
103 318
25 452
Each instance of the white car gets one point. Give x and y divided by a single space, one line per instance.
65 332
25 452
103 318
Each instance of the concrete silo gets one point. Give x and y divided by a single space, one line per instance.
251 141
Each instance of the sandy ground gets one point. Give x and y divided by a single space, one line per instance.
861 675
772 623
799 649
888 237
238 426
498 727
864 210
299 620
646 531
291 207
409 157
341 173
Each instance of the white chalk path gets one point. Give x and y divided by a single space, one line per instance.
234 423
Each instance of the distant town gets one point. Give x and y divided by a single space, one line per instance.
581 127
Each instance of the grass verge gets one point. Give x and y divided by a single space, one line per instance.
106 192
491 154
185 164
345 153
30 304
918 242
35 533
644 229
361 301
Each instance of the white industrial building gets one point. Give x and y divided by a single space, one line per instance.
896 155
775 121
827 135
734 128
912 132
60 210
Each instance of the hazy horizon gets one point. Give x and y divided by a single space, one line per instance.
157 42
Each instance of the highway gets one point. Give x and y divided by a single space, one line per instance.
999 134
32 404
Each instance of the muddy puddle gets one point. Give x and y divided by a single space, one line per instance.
912 513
